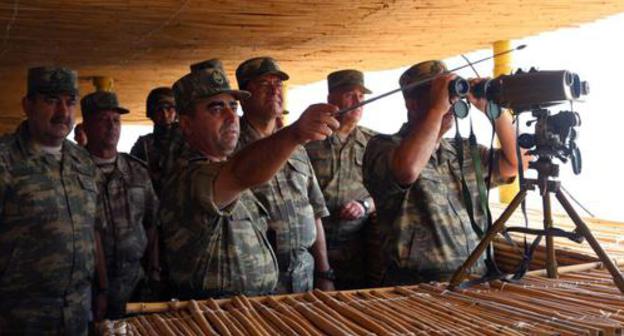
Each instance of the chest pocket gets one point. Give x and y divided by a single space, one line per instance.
359 156
34 195
297 177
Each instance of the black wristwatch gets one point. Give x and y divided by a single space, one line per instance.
327 275
366 205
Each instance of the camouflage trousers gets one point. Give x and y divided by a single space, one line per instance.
121 289
24 314
298 276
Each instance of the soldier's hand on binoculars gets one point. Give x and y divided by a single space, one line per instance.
439 94
479 103
316 123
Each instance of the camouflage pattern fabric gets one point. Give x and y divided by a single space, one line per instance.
129 209
338 168
150 148
213 252
294 201
346 78
52 80
258 66
425 226
46 237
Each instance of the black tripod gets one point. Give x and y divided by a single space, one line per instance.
546 170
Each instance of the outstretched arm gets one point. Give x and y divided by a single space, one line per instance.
258 162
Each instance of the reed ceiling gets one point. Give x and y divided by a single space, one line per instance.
143 44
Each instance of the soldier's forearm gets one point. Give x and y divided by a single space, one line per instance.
319 249
411 156
253 165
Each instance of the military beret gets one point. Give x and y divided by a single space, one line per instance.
203 84
100 101
347 77
52 80
258 66
420 71
156 97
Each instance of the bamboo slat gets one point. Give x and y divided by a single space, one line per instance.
578 303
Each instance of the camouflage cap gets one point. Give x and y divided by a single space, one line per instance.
347 77
52 80
100 101
203 84
420 71
258 66
156 97
211 63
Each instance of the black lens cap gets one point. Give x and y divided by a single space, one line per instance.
461 109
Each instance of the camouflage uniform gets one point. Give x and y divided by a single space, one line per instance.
425 226
294 201
338 168
129 209
212 252
46 237
47 232
150 147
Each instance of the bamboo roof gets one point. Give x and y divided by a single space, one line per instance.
144 44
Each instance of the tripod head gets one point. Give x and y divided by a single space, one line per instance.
554 137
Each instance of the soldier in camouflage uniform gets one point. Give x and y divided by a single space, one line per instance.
337 162
129 205
292 197
48 200
161 109
215 229
414 177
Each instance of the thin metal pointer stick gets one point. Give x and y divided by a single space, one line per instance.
421 82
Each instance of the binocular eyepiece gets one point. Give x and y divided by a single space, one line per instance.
459 88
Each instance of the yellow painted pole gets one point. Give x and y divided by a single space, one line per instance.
103 83
502 66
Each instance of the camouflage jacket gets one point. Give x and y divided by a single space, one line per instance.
129 208
212 251
46 237
150 148
425 225
294 201
338 168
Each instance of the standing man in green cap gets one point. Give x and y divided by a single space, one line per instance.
48 208
337 162
214 227
161 109
415 178
127 224
292 197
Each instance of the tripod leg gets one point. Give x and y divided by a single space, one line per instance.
584 230
498 226
551 259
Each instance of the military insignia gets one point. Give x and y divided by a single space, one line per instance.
59 76
217 78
